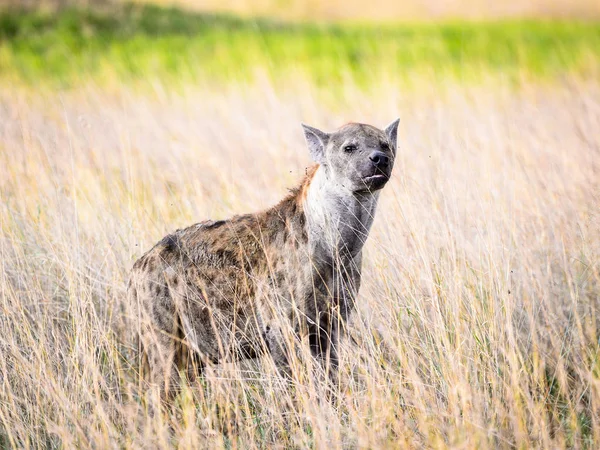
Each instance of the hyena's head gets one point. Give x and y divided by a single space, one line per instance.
356 157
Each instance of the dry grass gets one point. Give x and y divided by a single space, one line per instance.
478 323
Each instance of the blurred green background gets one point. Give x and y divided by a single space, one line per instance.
67 44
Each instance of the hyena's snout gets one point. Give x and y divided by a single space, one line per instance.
379 160
377 170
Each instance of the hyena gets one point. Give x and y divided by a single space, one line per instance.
228 289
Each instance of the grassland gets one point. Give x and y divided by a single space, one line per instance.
147 43
478 321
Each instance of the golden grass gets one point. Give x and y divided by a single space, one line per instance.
477 324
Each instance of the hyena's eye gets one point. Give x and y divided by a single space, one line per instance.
349 148
384 145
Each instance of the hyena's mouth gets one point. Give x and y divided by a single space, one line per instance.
376 181
377 176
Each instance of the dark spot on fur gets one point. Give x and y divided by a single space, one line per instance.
247 266
303 237
163 316
170 242
285 235
302 220
279 278
245 220
158 290
213 225
225 255
246 351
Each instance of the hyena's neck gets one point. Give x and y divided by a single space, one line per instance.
338 221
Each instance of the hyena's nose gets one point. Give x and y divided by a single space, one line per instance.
379 159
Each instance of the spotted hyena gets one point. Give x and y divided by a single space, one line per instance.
232 289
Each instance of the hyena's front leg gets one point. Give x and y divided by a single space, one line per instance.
324 342
342 288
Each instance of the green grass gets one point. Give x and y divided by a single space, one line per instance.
135 43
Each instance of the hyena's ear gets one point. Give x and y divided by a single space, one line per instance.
392 133
316 141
